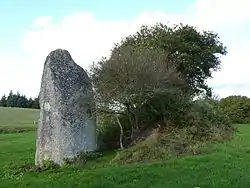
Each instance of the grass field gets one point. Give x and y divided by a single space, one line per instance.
224 165
18 117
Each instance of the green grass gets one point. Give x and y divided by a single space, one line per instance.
18 117
225 165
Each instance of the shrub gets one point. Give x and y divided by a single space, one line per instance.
160 145
237 108
164 107
206 118
204 122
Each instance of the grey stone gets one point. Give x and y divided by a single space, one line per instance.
66 125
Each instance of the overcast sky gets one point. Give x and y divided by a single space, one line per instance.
88 30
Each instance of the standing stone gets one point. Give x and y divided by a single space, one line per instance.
66 125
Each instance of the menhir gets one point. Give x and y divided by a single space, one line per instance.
66 124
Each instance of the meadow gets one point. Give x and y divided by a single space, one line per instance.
222 165
18 120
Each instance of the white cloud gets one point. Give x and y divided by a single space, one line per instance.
214 13
84 36
87 39
42 21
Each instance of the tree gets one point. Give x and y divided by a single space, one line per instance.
194 54
130 78
22 101
3 101
19 101
237 107
11 99
35 103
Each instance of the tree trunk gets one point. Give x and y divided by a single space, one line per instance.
121 131
133 121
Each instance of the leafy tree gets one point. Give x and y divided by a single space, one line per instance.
194 54
150 80
130 78
237 107
168 106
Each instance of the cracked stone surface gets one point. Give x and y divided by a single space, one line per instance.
66 125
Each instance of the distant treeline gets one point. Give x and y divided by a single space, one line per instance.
19 101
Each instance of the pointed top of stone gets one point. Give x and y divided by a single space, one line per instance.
59 56
60 52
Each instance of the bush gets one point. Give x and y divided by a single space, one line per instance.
204 122
206 119
160 145
202 119
151 77
237 108
164 107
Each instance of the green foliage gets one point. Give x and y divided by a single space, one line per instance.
3 101
20 101
130 78
183 125
200 123
237 108
207 119
152 77
109 131
34 103
83 157
132 75
165 106
194 54
160 145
